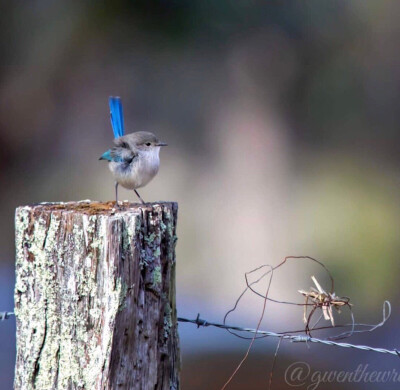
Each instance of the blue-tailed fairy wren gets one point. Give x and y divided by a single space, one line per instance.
134 160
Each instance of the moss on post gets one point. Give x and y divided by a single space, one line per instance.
95 296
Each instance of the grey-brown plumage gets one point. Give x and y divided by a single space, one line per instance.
134 160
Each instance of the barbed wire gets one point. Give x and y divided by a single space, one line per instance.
294 338
4 315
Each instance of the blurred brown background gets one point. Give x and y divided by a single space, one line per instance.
283 124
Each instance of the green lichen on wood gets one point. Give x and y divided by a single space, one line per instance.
150 238
167 320
129 231
157 252
122 295
157 276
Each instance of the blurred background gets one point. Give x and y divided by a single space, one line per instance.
282 121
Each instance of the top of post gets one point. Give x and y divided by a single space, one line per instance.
96 208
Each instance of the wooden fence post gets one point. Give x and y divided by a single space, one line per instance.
95 296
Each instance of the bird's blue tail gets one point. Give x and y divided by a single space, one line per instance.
117 116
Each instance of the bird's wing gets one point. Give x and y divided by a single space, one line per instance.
117 116
121 152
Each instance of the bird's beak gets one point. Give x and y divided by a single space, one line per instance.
161 144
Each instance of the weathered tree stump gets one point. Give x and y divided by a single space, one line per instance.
95 296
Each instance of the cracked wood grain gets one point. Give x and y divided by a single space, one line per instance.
95 296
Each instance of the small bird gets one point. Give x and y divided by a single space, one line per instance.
134 160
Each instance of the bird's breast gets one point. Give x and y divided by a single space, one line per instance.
138 173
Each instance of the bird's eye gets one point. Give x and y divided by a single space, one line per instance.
148 143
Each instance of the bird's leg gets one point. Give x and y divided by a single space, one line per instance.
116 194
137 193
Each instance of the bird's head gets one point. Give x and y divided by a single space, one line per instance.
144 141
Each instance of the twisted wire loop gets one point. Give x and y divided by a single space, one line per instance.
294 338
5 315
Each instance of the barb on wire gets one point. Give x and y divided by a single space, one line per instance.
5 315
